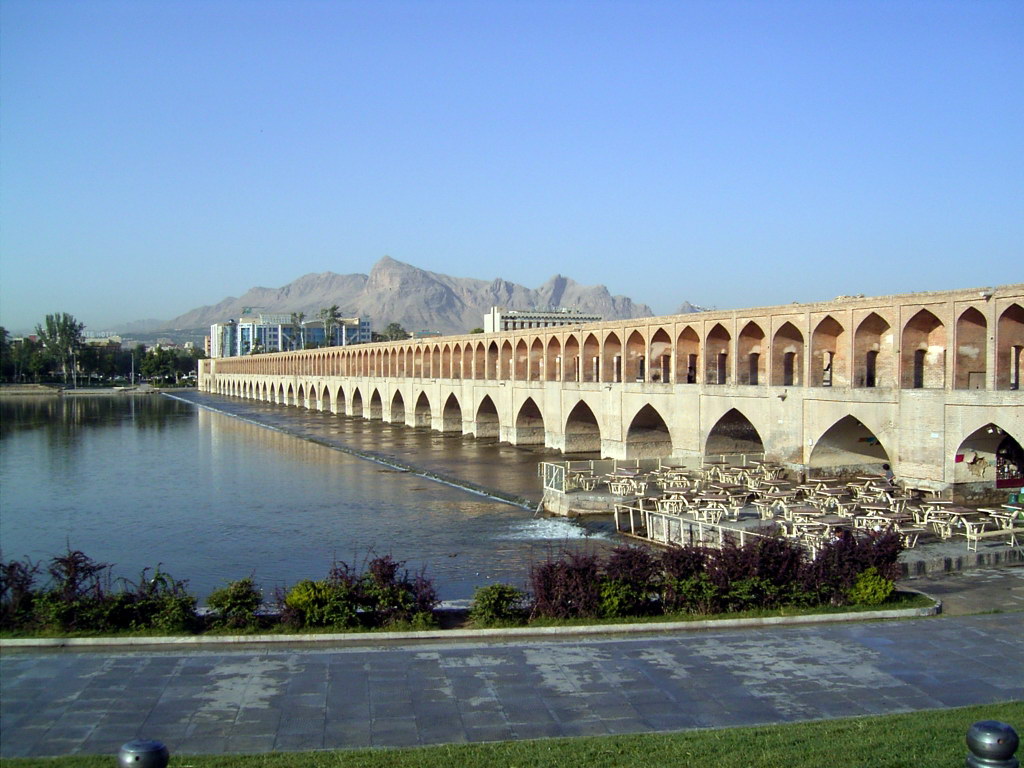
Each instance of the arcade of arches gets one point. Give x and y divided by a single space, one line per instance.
926 382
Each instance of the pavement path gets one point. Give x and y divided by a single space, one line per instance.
297 698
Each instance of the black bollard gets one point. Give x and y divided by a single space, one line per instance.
991 744
143 753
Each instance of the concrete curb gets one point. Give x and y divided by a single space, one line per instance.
363 639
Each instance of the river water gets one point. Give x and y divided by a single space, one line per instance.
217 489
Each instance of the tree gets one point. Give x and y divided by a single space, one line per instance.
329 316
395 332
6 363
477 330
61 335
298 330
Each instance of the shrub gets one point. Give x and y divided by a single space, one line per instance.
17 579
236 604
322 604
497 605
870 588
566 588
620 598
684 562
389 598
695 594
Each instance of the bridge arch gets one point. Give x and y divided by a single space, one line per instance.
529 424
634 364
486 423
716 352
611 359
661 357
687 356
970 362
457 362
829 364
505 362
648 435
923 354
988 458
873 344
290 397
492 361
571 360
338 401
451 415
1009 347
733 433
397 408
535 369
750 354
591 365
521 362
552 368
376 408
357 403
421 414
848 447
582 432
787 356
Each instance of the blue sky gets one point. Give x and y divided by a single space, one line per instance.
157 156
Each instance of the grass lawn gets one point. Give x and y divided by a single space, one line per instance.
916 739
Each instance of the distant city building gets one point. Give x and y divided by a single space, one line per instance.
278 333
501 319
101 339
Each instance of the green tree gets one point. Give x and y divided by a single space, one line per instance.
330 316
477 330
61 335
394 332
298 330
6 362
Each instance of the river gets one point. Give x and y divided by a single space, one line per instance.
217 489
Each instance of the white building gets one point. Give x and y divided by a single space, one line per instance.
269 332
501 319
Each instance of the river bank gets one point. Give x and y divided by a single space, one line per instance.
55 390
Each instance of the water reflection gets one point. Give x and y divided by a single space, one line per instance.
135 481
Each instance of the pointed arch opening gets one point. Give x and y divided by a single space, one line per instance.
529 424
582 433
970 364
987 461
828 354
487 424
873 353
733 434
661 357
751 355
421 416
1009 347
521 361
571 360
635 363
848 448
451 415
492 361
787 356
716 352
338 406
611 359
357 404
590 364
553 361
648 436
687 356
923 354
535 370
398 409
457 362
376 409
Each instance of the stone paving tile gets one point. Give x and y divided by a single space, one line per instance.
199 701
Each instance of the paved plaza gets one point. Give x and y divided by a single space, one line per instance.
311 697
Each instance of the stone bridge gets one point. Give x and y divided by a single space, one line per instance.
928 382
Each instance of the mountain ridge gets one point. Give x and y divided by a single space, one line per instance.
417 299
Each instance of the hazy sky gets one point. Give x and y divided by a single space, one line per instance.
157 156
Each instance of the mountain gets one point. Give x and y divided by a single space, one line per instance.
395 292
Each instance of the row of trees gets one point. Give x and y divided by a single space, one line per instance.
59 353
